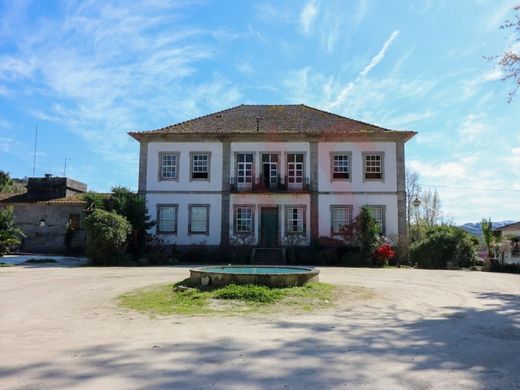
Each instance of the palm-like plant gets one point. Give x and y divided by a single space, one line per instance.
488 236
10 236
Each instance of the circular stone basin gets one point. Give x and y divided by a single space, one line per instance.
247 274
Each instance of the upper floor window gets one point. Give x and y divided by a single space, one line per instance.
243 219
200 163
340 166
340 216
295 220
166 219
373 166
169 166
270 170
295 170
244 170
199 219
378 213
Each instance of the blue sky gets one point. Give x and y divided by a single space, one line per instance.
89 71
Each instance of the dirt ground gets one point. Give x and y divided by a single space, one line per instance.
61 328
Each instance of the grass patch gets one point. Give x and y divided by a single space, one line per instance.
2 264
40 261
182 298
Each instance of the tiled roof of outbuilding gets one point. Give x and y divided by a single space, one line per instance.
76 199
273 119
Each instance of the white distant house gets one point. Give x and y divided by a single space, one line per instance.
271 174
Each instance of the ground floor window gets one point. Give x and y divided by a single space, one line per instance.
243 219
295 220
340 216
378 213
166 219
199 219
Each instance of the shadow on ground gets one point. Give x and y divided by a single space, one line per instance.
462 347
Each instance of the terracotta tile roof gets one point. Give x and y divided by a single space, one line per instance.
75 199
273 119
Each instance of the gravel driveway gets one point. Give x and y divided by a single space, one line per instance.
61 328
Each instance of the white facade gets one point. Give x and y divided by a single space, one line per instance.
170 185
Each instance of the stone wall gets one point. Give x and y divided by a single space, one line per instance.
48 238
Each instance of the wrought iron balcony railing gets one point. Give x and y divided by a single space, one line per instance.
261 184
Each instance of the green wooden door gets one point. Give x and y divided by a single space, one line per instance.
269 227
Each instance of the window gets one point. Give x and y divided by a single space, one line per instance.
340 216
270 170
74 221
340 166
244 170
168 166
166 219
199 219
295 170
378 213
373 166
243 219
200 166
295 220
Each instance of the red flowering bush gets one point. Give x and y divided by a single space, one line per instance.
383 254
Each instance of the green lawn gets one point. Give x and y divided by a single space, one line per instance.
168 299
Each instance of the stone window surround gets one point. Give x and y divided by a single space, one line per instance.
304 167
383 222
191 166
332 207
190 206
157 226
177 168
286 219
253 209
253 167
339 153
382 154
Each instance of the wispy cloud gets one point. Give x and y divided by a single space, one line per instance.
379 56
105 72
473 127
308 16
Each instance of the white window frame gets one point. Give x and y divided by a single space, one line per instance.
333 224
190 216
192 166
296 167
158 226
366 166
333 166
251 231
243 166
382 221
302 225
175 166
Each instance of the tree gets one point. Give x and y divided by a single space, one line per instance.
413 191
509 61
487 235
443 246
10 236
5 181
107 233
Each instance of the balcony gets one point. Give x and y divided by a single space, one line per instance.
260 184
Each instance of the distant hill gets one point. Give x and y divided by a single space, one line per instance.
476 228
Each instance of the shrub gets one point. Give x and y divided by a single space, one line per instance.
443 246
107 234
249 292
383 254
10 236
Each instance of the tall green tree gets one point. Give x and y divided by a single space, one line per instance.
10 236
5 181
487 235
368 233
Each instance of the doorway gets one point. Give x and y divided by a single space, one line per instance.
269 227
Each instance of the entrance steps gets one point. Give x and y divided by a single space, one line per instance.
268 256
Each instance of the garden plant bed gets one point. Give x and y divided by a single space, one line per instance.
185 298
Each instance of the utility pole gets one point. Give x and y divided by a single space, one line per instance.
34 158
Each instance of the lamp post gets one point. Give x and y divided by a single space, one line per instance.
416 203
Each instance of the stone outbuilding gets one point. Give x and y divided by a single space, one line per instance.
44 211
